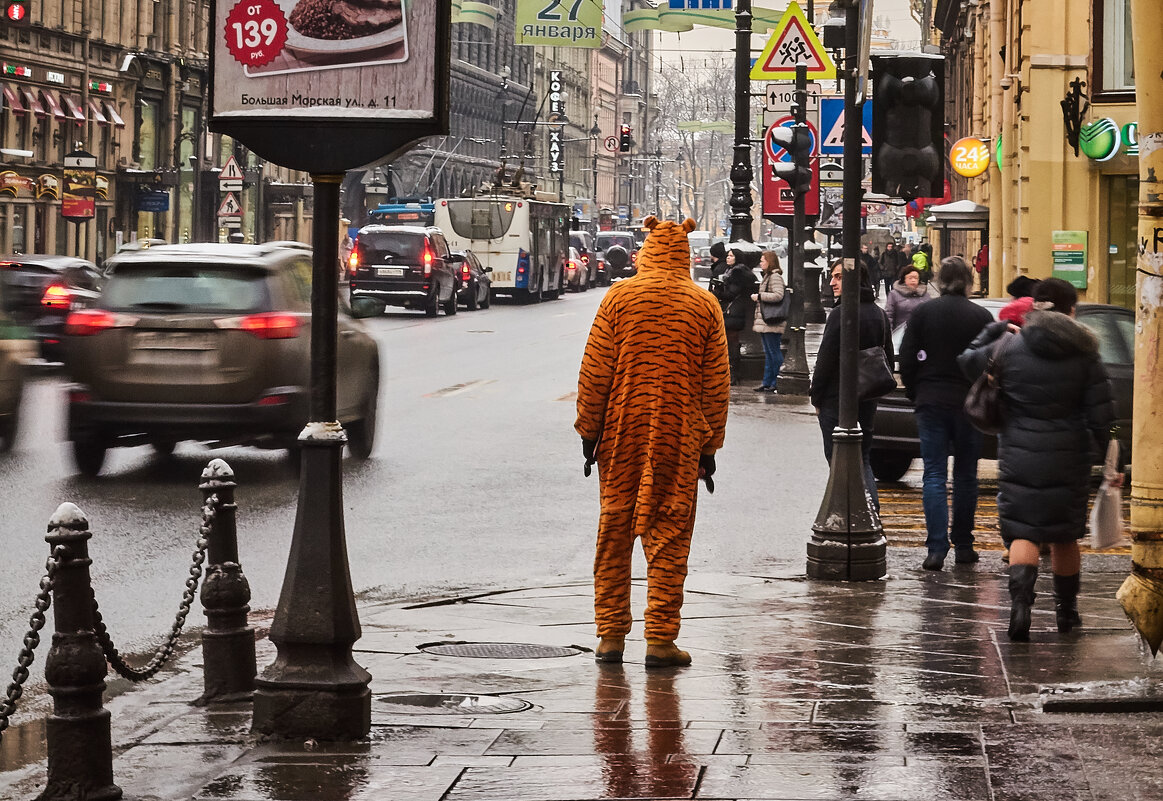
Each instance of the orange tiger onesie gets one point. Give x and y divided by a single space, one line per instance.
653 393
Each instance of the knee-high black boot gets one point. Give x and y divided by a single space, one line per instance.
1066 602
1022 578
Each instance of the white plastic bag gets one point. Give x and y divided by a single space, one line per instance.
1106 516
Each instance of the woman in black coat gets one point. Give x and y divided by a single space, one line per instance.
737 285
1058 408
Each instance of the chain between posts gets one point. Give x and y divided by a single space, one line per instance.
32 638
166 649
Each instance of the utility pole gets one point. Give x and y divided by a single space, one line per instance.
847 538
1142 593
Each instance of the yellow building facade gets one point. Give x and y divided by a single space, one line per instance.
1011 68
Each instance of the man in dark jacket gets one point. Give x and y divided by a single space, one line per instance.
825 388
936 335
891 261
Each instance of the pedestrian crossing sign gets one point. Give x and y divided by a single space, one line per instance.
793 41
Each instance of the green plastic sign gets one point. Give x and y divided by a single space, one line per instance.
1068 249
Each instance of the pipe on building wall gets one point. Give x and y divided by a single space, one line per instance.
999 264
1141 595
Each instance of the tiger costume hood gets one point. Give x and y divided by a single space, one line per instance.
666 249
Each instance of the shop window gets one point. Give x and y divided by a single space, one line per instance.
1114 56
147 135
1122 228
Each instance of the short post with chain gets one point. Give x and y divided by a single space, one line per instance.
80 750
228 657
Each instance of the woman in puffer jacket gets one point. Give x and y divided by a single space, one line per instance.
907 294
1058 413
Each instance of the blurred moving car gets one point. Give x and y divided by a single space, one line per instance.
404 265
475 283
15 349
894 436
209 342
701 262
577 274
39 291
584 243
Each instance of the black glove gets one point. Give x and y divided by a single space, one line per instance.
588 446
707 468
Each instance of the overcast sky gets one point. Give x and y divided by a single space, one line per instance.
717 44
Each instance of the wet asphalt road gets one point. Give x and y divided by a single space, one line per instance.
476 482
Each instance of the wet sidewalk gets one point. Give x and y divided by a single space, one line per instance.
896 690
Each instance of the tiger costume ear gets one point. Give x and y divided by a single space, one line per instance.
650 222
689 225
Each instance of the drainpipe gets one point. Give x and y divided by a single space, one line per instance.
1142 593
997 212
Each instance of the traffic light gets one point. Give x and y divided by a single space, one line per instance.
908 125
796 139
624 139
15 11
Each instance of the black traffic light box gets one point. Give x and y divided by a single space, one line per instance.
624 140
908 125
796 139
15 11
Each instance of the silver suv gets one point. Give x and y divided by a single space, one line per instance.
208 342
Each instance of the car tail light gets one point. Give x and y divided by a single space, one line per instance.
80 396
585 259
634 257
90 321
465 273
427 260
270 326
56 297
276 399
522 278
353 260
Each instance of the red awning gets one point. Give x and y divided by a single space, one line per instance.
114 117
73 104
13 99
31 103
95 110
53 106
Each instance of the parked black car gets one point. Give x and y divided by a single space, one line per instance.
894 438
409 266
39 291
475 282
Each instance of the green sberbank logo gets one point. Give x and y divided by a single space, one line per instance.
1101 139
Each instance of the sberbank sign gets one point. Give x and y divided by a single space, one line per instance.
1103 138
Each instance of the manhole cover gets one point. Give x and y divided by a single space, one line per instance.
450 704
499 650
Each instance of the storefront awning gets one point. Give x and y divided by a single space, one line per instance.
53 104
31 103
13 99
73 104
95 111
114 117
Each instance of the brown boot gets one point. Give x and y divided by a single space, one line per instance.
664 653
610 649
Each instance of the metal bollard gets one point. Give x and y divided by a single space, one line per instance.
228 658
80 750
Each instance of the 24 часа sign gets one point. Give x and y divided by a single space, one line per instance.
325 64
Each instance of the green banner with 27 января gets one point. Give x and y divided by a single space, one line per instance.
562 23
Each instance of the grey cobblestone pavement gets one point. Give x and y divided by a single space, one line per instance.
904 689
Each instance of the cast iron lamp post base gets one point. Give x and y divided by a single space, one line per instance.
847 541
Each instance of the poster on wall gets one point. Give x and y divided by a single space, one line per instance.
1068 249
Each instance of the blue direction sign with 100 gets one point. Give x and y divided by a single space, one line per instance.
832 126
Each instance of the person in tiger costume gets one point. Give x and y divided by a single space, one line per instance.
651 411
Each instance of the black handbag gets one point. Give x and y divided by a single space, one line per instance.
874 378
776 313
983 402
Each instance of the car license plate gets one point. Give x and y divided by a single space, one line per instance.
390 272
503 276
174 348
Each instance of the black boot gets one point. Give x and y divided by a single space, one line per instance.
1066 602
1022 578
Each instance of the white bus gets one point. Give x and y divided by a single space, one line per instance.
524 241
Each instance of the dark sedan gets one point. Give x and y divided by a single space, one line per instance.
894 438
40 290
475 282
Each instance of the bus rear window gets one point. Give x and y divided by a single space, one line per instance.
481 219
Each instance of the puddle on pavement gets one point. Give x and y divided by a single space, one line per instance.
23 745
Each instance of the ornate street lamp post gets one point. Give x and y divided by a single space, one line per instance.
741 173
